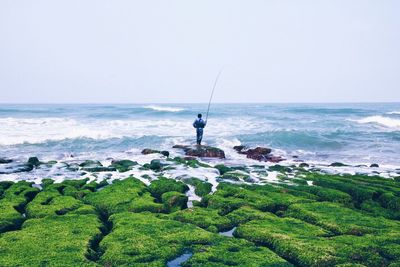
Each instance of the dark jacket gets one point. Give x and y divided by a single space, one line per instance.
199 124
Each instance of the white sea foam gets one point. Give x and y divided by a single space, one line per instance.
26 130
164 108
384 121
393 113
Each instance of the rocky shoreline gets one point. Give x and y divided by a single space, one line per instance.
188 210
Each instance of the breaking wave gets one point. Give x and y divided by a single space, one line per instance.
380 120
164 108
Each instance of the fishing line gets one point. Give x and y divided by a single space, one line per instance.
212 92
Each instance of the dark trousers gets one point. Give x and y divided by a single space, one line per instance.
199 132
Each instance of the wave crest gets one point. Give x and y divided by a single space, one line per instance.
164 108
383 121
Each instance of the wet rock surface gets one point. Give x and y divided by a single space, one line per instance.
202 151
258 153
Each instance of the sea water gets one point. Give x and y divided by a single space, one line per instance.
317 133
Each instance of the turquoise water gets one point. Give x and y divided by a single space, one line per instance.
352 133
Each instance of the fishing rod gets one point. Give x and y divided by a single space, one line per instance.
212 93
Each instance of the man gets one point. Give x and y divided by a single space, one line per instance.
199 124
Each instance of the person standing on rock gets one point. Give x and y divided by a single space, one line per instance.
199 124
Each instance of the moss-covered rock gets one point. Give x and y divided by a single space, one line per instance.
204 218
124 195
201 188
50 241
123 165
174 201
13 202
163 185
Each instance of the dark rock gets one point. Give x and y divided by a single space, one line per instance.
259 153
304 165
99 169
239 148
374 165
148 151
165 153
4 160
338 164
180 146
202 151
189 158
34 161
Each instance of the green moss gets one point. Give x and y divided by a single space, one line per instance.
280 168
222 169
50 202
234 176
12 204
204 218
50 241
123 195
174 201
341 220
123 165
140 239
201 188
234 252
192 163
290 239
163 185
155 165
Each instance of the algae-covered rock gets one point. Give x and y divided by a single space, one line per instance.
12 204
203 218
174 201
145 240
201 188
122 195
50 241
123 165
163 185
222 168
234 176
155 165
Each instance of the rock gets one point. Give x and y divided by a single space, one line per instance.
165 153
34 161
90 163
239 148
155 165
4 160
123 165
148 151
202 151
304 165
280 168
222 168
374 165
338 164
258 153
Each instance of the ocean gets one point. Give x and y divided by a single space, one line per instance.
353 134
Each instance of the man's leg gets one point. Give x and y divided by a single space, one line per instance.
199 136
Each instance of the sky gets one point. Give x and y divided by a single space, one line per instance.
95 51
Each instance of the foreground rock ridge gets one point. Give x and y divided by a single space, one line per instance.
303 218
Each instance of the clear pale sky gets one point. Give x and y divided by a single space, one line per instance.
170 51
